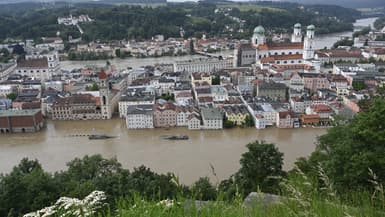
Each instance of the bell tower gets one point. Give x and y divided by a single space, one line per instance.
297 34
308 47
104 91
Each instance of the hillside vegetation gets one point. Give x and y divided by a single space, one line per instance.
116 22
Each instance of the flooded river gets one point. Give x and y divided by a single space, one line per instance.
189 159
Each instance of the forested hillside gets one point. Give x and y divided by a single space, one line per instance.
22 21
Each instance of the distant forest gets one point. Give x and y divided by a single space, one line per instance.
117 22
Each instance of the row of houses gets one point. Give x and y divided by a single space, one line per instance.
168 114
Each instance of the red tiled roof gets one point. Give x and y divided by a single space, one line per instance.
267 60
344 53
284 114
291 66
205 99
76 99
380 51
102 75
321 108
287 57
33 63
281 46
321 54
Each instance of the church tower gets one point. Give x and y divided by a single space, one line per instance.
258 36
297 34
308 47
104 91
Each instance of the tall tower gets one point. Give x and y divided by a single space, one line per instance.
258 36
308 47
297 34
104 91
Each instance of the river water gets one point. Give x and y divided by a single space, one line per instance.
328 40
189 159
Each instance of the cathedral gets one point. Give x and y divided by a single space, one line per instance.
299 51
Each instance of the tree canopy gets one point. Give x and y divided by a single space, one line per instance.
346 152
117 22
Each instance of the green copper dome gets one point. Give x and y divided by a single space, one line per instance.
311 27
297 26
259 30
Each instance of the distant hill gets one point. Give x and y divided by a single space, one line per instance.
345 3
85 1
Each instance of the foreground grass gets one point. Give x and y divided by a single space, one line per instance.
181 207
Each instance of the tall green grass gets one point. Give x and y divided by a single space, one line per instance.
299 197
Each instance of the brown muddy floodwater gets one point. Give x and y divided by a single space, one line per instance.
189 159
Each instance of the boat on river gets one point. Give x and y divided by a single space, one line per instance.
100 136
175 137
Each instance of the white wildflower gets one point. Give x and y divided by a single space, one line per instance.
73 206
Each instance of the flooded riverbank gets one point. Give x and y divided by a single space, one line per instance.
189 159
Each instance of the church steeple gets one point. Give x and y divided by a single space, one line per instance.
308 47
258 36
297 34
104 95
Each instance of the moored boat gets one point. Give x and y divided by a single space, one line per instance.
175 137
100 136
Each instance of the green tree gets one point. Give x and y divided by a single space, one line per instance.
12 96
89 173
216 80
347 151
94 87
343 42
118 53
167 96
26 188
228 124
249 122
151 185
358 85
204 190
261 168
